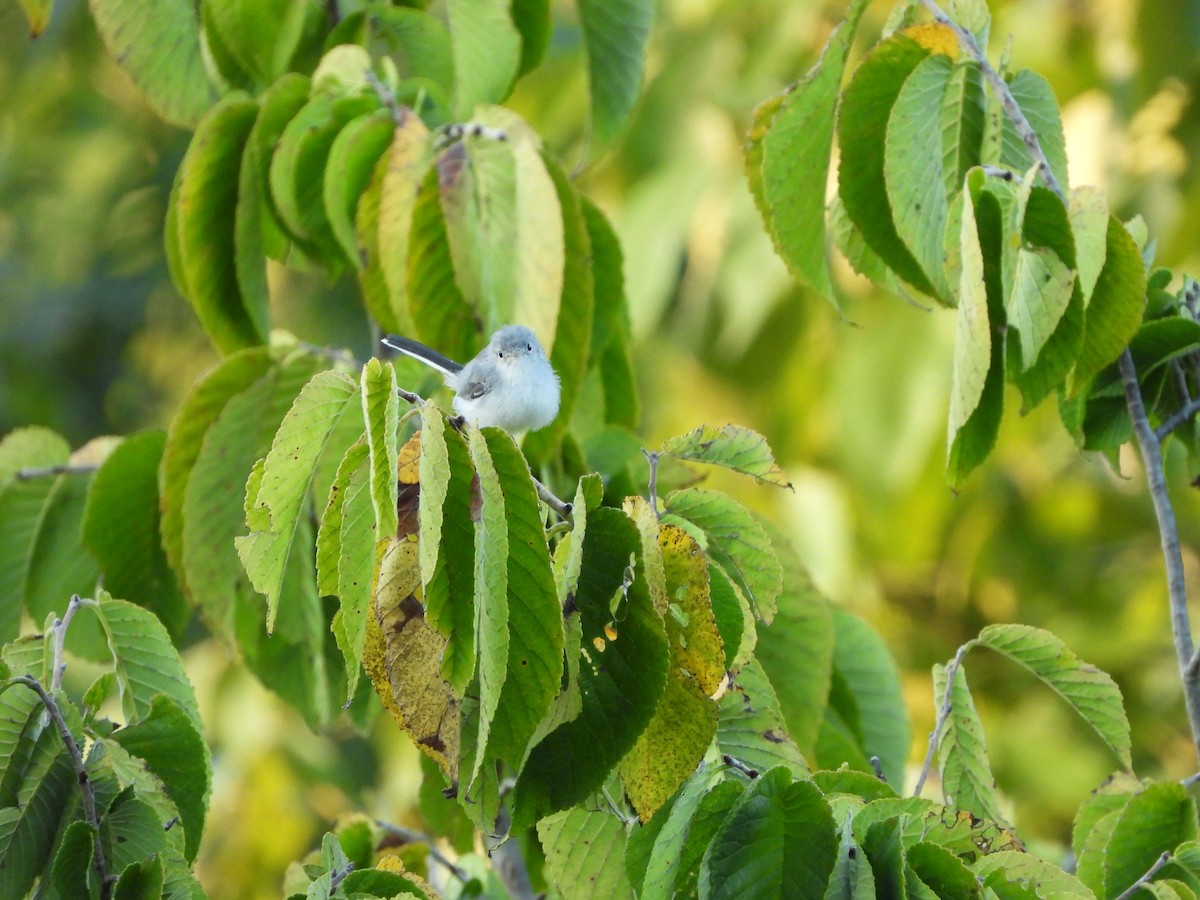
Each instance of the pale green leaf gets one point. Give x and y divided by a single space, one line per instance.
962 118
262 36
912 169
403 167
1036 99
750 727
787 159
615 34
286 475
1089 224
381 412
967 780
1042 289
1115 310
973 340
160 53
585 854
353 156
732 446
1090 692
486 47
1014 875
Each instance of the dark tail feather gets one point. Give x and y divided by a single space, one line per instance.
419 351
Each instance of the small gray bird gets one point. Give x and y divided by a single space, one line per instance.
509 384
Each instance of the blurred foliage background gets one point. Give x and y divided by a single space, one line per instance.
94 340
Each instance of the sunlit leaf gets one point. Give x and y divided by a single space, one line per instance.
487 52
161 53
732 446
967 779
751 728
1014 875
1036 99
615 34
403 168
585 854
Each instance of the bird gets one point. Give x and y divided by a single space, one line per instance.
509 384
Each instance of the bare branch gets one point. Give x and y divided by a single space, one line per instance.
1162 860
652 482
61 469
561 507
60 637
1181 416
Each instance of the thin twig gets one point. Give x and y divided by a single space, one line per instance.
87 792
415 837
652 482
60 637
388 98
1181 627
1012 109
508 862
942 716
1177 418
1162 860
877 765
61 469
734 763
337 876
561 507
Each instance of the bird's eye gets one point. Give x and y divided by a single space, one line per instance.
500 353
529 348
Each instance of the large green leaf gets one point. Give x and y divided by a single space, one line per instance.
620 685
199 410
276 501
173 747
206 212
732 446
352 160
160 52
862 129
777 841
1115 310
615 34
121 528
912 169
487 52
585 854
1036 99
751 728
963 112
1090 692
1014 875
787 159
277 106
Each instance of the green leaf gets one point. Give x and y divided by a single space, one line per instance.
1115 310
353 156
750 727
381 412
585 854
199 411
442 316
142 880
787 159
1014 875
38 14
615 34
486 48
865 665
710 819
1042 290
297 173
977 389
278 105
206 210
851 878
144 659
532 669
533 20
942 871
401 172
862 129
1036 99
967 780
734 540
274 510
450 589
885 852
732 446
22 507
1089 227
620 685
963 112
131 831
796 650
1090 692
73 860
160 53
261 36
121 528
174 749
778 840
29 825
912 169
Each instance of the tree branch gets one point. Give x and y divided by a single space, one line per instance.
87 792
61 469
1177 418
60 637
561 507
942 716
1181 628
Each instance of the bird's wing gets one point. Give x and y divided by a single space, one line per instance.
419 351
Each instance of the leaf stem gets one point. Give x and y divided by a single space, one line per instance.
561 507
60 469
1181 628
652 458
1177 418
942 717
87 792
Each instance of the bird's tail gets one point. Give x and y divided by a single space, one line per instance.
419 351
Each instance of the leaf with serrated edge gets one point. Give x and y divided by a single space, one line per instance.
751 728
585 854
404 166
487 52
1019 869
381 412
286 475
732 446
787 159
348 170
1091 692
967 779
